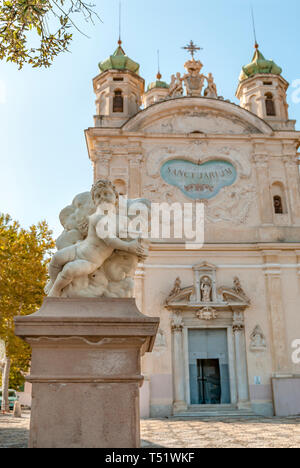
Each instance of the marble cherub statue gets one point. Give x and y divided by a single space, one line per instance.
94 265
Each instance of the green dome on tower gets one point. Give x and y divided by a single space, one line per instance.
119 61
259 65
158 83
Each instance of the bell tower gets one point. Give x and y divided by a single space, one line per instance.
119 90
263 91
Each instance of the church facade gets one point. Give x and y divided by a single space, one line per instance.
229 310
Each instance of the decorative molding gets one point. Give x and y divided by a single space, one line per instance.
135 160
238 321
81 339
177 322
84 379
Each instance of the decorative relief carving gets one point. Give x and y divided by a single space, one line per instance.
234 294
208 307
176 289
160 341
203 294
233 207
177 322
179 294
238 321
160 192
194 82
207 313
135 160
257 340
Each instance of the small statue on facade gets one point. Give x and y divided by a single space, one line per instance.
211 90
237 288
177 288
176 88
206 290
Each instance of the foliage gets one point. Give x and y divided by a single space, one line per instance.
36 31
23 275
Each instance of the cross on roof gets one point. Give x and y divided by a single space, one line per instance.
192 48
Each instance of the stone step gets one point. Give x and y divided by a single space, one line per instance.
216 413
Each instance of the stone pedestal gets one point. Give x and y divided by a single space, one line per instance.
86 372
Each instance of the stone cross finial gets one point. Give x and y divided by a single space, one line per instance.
192 48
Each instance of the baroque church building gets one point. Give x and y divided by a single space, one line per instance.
229 311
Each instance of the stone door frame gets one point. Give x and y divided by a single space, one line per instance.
230 318
231 361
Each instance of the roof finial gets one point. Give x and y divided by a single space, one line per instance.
192 48
120 11
158 76
254 29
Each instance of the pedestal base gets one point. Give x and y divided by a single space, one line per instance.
86 372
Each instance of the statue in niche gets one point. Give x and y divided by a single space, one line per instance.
211 90
206 289
93 266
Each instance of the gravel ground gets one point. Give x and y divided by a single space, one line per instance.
191 433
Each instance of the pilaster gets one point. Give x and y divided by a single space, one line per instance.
178 363
241 358
263 187
135 163
276 312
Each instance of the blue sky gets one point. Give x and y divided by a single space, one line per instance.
43 113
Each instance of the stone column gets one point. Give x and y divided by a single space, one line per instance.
86 372
263 186
279 348
135 175
241 359
178 364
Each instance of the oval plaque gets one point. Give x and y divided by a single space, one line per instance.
199 181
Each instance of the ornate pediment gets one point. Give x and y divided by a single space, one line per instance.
179 294
205 296
235 294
